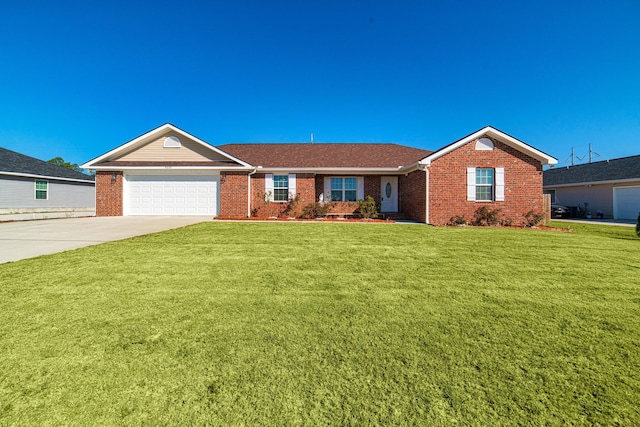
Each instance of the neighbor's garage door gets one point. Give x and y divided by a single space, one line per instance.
626 202
171 195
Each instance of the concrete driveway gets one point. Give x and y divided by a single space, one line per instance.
28 239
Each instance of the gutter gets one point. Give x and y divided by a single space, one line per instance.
52 178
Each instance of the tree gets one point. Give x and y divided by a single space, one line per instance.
638 226
59 161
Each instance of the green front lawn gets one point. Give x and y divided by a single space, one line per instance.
316 324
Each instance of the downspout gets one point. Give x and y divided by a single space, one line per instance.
249 191
426 202
426 191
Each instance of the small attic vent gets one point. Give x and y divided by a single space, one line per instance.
484 144
171 142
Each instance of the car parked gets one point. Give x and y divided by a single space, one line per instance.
559 211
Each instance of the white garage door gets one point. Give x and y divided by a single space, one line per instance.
171 195
626 202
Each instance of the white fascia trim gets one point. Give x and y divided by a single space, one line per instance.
545 159
211 168
582 184
339 171
52 178
151 134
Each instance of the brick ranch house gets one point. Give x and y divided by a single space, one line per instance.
167 171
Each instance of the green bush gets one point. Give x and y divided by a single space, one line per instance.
533 218
315 210
486 216
457 220
368 208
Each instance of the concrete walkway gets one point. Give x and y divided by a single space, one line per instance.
28 239
622 222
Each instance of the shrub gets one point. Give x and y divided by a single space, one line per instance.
457 220
368 208
293 208
315 210
533 219
638 226
486 216
506 222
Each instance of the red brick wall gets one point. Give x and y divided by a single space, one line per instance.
448 183
233 194
108 194
372 187
413 195
305 190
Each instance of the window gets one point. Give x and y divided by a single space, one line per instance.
42 190
280 188
344 189
484 184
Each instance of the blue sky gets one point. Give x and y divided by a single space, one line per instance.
80 78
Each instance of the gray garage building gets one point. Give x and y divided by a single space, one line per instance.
610 186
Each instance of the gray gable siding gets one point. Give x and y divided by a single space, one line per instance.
626 168
19 193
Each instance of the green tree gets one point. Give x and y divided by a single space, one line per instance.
59 161
638 226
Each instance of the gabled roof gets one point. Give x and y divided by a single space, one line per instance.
326 155
16 164
490 131
106 159
622 169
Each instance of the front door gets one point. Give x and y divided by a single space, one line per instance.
389 194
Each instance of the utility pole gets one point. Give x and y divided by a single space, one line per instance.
591 153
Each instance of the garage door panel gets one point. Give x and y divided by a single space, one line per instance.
164 195
626 202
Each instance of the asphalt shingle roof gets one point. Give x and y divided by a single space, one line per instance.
17 163
326 155
607 170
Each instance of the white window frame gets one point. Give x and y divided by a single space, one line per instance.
359 188
269 187
497 190
36 189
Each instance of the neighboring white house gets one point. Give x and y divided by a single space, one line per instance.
32 186
611 187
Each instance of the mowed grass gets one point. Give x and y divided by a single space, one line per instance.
326 324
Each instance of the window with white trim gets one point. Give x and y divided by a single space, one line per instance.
344 189
41 190
279 188
485 184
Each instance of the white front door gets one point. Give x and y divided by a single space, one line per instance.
389 194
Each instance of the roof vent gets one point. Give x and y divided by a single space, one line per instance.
171 142
484 144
